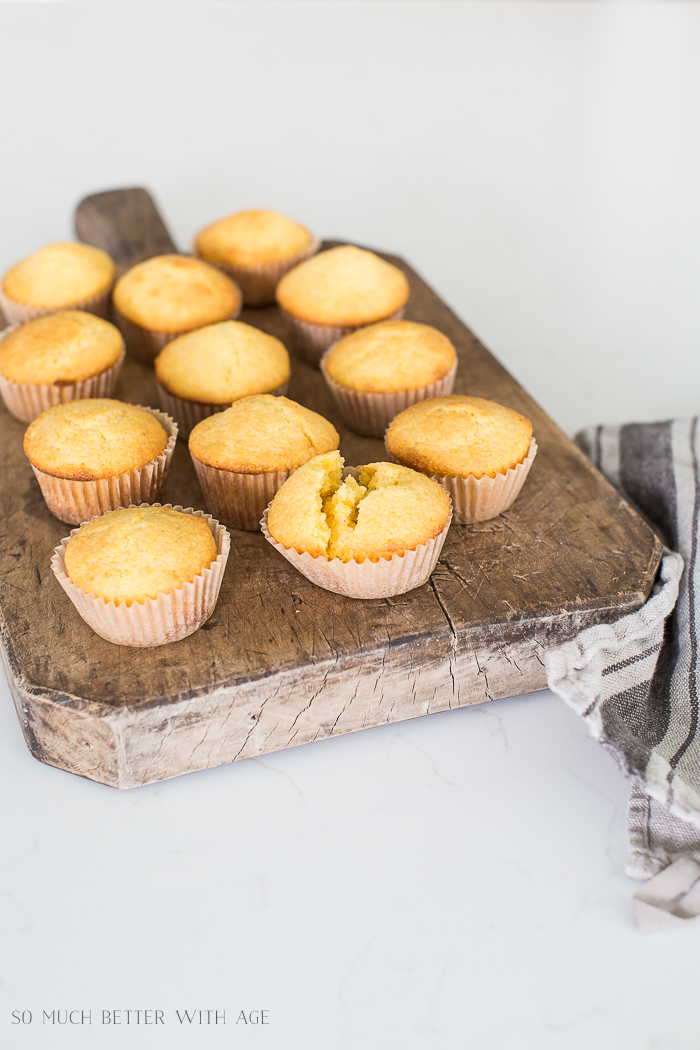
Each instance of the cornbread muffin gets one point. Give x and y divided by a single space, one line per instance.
135 553
343 286
58 277
202 372
387 510
61 357
391 356
479 450
144 575
367 533
94 438
256 248
262 433
64 347
99 454
336 291
244 454
168 295
378 371
460 435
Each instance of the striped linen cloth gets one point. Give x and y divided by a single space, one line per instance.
635 682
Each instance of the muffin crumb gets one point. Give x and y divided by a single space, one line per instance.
387 510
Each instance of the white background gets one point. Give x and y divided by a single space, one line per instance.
456 881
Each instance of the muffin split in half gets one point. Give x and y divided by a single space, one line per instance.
366 533
387 509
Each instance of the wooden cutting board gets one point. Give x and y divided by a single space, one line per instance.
282 662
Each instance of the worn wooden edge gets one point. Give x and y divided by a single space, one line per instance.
537 625
128 747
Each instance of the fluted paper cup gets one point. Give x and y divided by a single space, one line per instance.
20 313
383 578
480 499
371 413
238 499
155 621
77 501
26 401
312 340
258 283
187 414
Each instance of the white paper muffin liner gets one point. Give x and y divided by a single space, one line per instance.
312 340
156 621
238 499
187 414
20 313
258 283
479 499
77 501
367 579
26 401
145 344
371 413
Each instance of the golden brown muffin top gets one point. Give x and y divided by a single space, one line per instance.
262 433
175 293
135 553
94 438
252 238
343 286
58 275
388 510
65 347
459 436
390 356
220 363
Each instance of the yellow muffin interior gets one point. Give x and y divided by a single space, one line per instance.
460 436
135 553
93 438
222 362
252 238
387 510
262 433
65 347
391 356
175 293
58 275
343 286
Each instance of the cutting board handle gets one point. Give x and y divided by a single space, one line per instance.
124 223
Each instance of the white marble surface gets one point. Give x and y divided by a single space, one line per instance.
455 881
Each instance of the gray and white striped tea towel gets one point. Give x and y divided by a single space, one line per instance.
636 681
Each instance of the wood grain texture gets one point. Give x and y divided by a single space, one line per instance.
282 662
124 223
